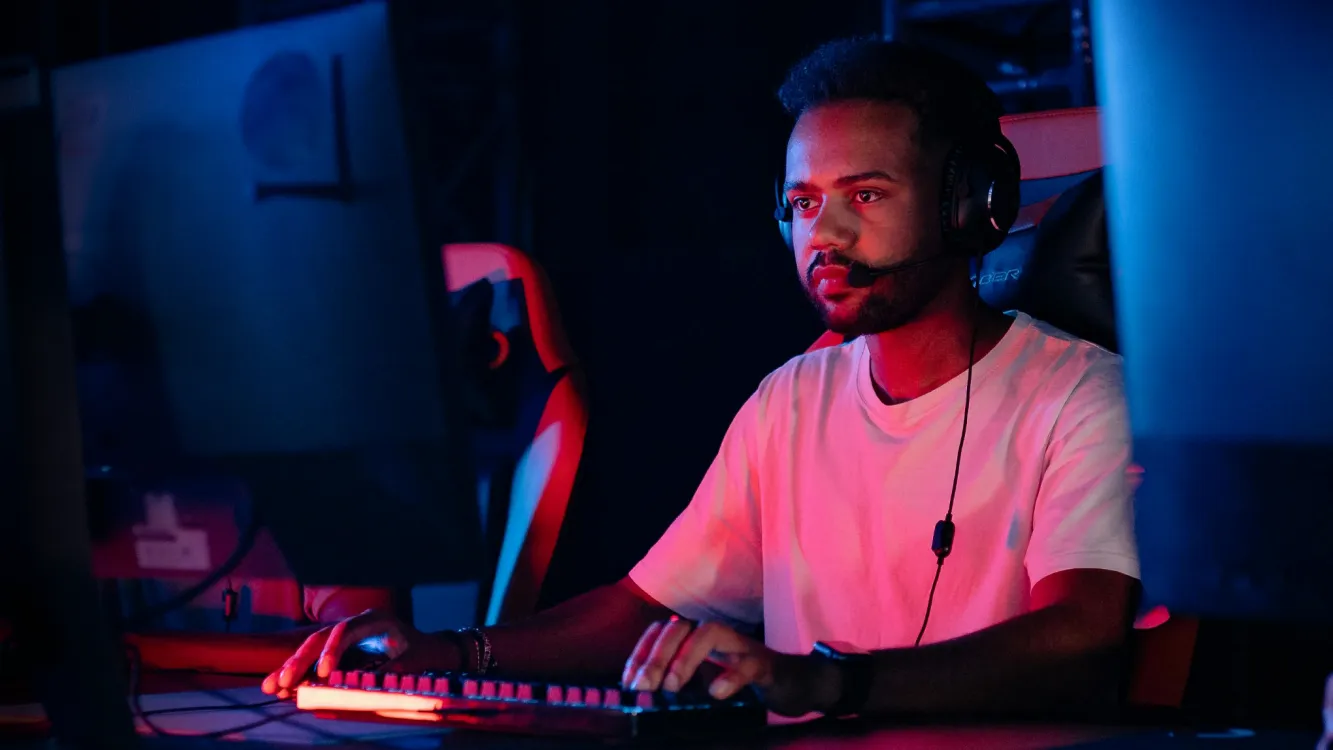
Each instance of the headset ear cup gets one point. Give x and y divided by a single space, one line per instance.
783 214
980 196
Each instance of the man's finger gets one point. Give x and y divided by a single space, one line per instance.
270 684
298 664
705 640
640 654
673 633
748 669
343 636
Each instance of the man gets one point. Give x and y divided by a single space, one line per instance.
815 516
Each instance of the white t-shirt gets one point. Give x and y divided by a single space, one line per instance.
816 517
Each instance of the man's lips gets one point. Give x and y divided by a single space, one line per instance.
829 280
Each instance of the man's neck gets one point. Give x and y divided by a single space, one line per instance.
915 359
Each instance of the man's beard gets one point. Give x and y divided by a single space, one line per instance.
893 300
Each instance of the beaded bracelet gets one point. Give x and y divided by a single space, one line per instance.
483 658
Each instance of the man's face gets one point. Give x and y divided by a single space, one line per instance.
863 189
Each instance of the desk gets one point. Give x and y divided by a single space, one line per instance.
185 690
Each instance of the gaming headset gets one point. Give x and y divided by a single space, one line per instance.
978 204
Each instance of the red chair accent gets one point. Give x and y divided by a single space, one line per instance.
1063 143
543 476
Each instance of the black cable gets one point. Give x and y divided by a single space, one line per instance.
213 707
335 739
136 706
943 543
244 544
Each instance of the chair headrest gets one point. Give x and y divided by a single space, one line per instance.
1068 283
1055 263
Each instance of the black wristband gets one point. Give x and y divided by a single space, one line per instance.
857 672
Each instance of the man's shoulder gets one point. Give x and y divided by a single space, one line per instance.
1052 347
804 382
1065 363
816 368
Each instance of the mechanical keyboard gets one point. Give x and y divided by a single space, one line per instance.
524 707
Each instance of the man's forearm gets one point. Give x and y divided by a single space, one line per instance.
1043 662
591 635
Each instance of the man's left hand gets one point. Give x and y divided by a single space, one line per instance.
669 653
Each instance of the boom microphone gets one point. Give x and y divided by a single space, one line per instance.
861 275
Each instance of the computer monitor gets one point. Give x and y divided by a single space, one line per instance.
1217 200
255 296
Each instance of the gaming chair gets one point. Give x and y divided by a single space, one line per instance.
1055 266
528 415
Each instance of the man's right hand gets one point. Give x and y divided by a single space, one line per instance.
379 633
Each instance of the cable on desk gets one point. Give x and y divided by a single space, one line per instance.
136 705
232 704
335 739
212 707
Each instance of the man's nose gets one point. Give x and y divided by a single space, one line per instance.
832 229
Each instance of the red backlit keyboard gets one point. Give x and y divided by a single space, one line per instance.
521 707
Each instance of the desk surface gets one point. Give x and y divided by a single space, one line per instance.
216 698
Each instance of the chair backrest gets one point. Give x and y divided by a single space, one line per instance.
529 432
1055 266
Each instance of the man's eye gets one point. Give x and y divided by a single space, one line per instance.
802 203
867 196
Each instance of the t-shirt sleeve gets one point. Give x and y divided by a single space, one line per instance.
708 565
1084 515
329 604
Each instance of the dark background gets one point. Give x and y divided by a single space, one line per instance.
631 149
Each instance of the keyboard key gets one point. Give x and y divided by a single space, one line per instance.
489 689
524 692
353 679
441 685
368 680
408 684
470 688
643 699
611 699
592 696
391 681
555 694
573 696
336 678
507 691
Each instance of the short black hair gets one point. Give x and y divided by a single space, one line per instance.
950 100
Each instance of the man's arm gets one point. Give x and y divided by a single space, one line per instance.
1065 655
590 635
